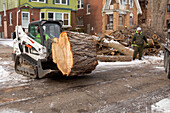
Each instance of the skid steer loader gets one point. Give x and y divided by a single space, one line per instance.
32 51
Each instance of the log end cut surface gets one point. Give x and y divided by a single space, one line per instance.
62 54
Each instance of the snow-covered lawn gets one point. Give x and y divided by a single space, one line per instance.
6 42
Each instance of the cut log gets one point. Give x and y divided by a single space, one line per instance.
74 53
155 37
106 51
104 58
124 43
122 49
150 43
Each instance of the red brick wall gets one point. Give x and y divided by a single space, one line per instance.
73 19
11 28
95 18
34 15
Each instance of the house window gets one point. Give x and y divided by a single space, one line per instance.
80 4
65 17
0 21
120 20
58 16
10 16
131 3
131 20
4 8
42 16
124 2
50 16
88 8
43 1
61 2
168 8
110 22
80 21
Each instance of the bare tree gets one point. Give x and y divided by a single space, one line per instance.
158 11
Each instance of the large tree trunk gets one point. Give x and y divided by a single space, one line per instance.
122 49
158 11
74 53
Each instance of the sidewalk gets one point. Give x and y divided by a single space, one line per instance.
6 42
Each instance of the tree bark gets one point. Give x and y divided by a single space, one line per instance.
158 11
74 53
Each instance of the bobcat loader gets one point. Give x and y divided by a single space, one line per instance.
45 49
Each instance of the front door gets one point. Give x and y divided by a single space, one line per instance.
25 19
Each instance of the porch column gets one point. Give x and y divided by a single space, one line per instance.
127 20
5 28
115 20
104 21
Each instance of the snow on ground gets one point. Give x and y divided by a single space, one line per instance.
162 106
146 60
8 77
3 74
10 111
6 42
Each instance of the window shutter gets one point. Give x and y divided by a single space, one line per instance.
29 0
68 2
46 1
53 1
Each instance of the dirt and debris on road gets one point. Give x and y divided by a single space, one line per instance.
112 87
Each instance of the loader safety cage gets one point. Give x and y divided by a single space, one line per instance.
43 27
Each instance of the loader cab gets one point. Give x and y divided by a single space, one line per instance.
41 31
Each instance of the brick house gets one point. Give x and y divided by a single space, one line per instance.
33 10
107 15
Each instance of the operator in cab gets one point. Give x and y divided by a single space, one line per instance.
38 37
